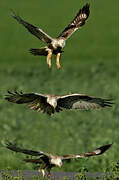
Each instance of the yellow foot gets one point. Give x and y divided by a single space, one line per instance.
49 175
43 172
50 66
59 67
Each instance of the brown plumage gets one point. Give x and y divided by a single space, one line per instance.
55 45
47 161
46 103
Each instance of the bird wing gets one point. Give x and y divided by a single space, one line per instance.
96 152
77 22
37 102
39 33
82 102
15 148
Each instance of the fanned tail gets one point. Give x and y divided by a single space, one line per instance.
36 161
39 52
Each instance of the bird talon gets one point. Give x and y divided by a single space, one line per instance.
58 67
50 66
49 175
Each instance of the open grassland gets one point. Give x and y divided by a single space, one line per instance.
90 65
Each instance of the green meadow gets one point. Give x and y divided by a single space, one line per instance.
90 65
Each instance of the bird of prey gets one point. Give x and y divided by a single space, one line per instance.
55 45
47 161
46 103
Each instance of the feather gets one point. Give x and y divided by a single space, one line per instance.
35 161
77 22
96 152
15 148
39 52
37 102
83 102
44 103
39 33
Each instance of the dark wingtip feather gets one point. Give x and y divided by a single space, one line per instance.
12 12
10 145
108 102
87 5
7 96
10 96
102 149
33 51
9 92
86 9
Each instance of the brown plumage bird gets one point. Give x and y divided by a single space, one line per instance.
47 161
46 103
55 45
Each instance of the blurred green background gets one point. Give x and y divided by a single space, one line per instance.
90 65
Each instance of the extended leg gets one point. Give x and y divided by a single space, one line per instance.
48 170
58 60
49 56
42 171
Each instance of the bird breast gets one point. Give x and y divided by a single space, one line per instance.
52 101
58 43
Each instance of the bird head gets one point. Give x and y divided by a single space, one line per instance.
57 161
52 101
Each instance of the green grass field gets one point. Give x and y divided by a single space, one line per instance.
90 65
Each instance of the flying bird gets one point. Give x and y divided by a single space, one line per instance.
47 161
55 45
46 103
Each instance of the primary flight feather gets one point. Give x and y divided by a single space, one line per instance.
55 45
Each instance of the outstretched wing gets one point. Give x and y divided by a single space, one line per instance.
37 102
39 33
96 152
82 102
77 22
15 148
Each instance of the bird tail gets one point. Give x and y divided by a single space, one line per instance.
39 52
35 161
